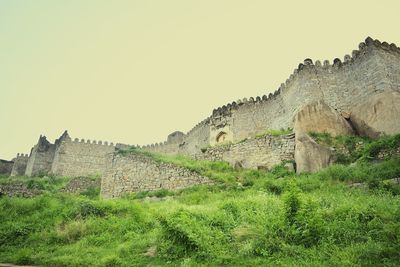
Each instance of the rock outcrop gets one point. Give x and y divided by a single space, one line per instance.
378 115
319 117
311 156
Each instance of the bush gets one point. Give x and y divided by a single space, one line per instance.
388 143
186 234
112 261
92 192
86 209
72 231
274 187
292 204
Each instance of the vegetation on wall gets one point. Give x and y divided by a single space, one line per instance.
248 218
350 148
275 132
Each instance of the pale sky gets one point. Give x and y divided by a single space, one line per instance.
135 71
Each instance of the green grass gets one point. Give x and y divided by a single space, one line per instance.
356 148
248 218
275 132
50 184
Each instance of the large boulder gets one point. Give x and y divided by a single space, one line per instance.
311 156
319 117
378 115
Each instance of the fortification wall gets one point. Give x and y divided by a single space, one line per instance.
19 166
82 158
373 68
137 172
41 158
6 167
256 153
189 143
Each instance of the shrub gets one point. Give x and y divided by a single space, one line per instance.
273 187
92 192
24 256
388 143
72 231
186 234
292 203
85 209
112 261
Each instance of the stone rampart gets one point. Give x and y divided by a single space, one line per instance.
6 167
81 158
262 152
137 172
19 166
372 69
41 158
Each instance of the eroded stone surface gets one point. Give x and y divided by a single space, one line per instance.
311 156
378 115
319 117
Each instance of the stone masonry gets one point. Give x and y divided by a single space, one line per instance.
19 166
138 172
66 157
370 70
6 167
255 153
81 158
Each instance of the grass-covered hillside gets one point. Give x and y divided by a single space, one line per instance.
248 218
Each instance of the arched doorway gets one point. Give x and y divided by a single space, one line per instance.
221 137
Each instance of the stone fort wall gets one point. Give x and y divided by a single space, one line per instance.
19 167
6 167
137 172
40 158
262 152
81 158
66 157
373 68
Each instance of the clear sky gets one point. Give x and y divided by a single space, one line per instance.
135 71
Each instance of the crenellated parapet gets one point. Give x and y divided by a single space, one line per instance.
307 66
93 142
21 156
84 157
19 165
373 68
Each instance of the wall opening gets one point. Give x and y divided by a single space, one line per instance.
221 137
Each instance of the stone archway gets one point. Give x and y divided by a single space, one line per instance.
221 137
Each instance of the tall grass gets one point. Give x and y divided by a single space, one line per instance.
248 218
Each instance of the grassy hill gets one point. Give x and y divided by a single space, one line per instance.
249 218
